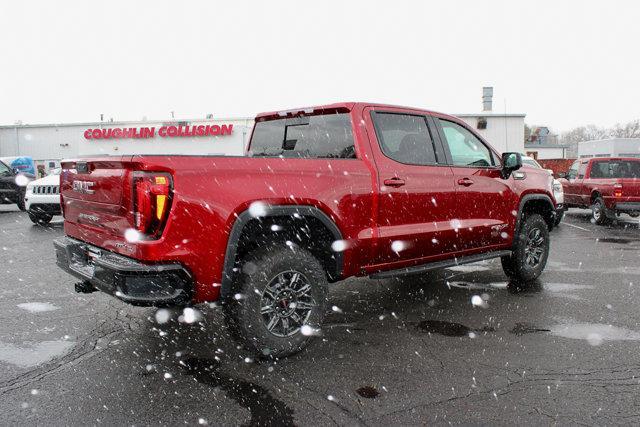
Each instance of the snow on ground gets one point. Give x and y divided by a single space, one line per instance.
37 307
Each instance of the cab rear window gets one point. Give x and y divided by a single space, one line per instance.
615 169
319 137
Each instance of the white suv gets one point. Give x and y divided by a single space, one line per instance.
558 192
42 199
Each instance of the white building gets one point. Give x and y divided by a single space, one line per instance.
505 132
613 147
47 144
546 151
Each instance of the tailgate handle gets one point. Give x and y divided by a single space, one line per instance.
465 182
394 182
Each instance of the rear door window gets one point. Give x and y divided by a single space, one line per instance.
466 149
324 136
405 138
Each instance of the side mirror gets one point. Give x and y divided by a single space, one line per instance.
510 162
562 175
16 171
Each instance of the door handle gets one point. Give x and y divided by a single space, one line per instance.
394 182
465 182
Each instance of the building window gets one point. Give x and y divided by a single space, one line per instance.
482 123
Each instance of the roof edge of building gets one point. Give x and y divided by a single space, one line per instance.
122 122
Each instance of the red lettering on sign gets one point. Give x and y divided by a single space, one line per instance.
226 130
164 132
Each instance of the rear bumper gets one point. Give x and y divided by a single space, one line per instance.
125 278
628 207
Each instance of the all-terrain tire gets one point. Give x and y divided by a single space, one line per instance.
270 287
530 251
599 212
40 219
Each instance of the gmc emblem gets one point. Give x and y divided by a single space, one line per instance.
83 187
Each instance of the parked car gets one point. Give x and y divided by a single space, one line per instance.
12 185
24 164
324 193
609 186
558 192
42 199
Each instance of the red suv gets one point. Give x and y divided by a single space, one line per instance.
323 193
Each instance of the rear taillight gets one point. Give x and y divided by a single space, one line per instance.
617 190
152 193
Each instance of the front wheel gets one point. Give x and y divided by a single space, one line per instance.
279 301
531 251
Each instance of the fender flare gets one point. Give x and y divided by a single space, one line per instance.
527 198
274 210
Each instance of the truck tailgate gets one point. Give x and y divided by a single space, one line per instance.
630 189
95 194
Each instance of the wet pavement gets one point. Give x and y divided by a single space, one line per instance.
460 345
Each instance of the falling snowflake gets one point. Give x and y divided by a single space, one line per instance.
398 246
163 316
132 235
339 245
258 209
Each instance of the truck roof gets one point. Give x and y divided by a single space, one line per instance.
636 159
336 107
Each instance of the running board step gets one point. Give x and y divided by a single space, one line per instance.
439 264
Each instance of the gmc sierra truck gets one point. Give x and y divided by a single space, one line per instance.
608 185
322 194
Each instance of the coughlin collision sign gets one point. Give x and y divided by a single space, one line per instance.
164 132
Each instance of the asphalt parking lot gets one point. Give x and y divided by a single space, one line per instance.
409 351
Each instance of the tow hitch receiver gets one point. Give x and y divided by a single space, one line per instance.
85 288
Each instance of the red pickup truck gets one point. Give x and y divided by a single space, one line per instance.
323 193
608 185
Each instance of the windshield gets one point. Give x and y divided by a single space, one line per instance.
5 170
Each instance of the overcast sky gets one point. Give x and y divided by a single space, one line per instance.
563 63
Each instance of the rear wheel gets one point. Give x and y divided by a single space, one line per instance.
599 212
279 301
41 218
531 251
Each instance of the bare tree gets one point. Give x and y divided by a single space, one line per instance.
591 132
583 133
629 130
